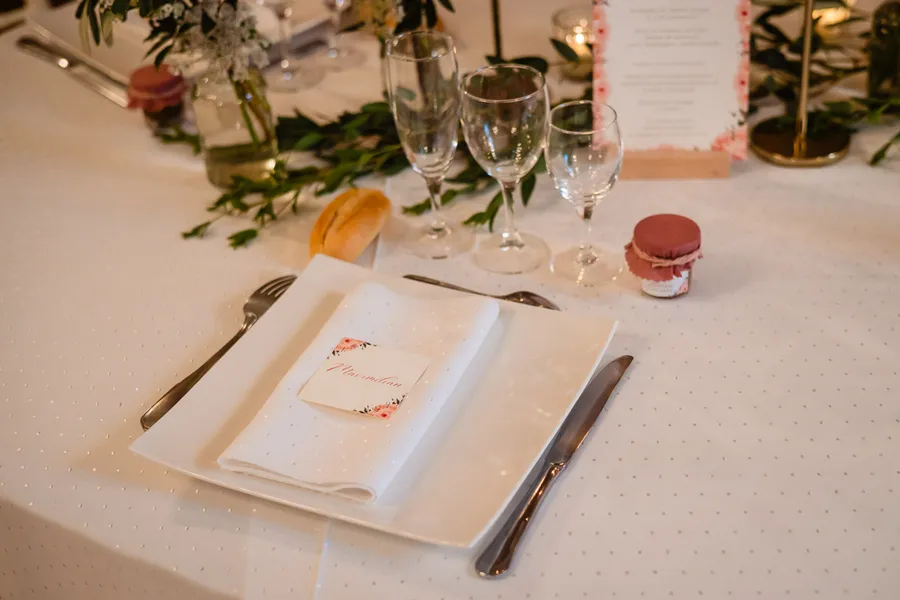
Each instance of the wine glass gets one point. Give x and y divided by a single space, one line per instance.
288 75
504 117
336 55
423 90
584 156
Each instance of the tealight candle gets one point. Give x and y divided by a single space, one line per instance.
572 26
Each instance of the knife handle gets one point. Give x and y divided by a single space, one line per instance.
497 556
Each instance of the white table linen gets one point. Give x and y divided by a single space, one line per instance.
751 452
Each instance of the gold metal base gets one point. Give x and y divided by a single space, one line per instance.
773 142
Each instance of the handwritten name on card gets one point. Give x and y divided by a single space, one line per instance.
364 378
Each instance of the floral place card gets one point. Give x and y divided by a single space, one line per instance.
364 378
677 73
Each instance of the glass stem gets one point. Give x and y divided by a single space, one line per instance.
333 50
509 231
586 253
438 223
285 34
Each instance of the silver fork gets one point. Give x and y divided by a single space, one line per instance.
258 303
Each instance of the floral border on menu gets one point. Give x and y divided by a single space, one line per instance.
601 34
734 139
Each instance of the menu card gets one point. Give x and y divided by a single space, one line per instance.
677 73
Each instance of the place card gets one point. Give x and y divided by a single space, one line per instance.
677 73
364 378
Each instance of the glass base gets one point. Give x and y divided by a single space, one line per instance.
587 268
292 76
342 57
520 253
444 242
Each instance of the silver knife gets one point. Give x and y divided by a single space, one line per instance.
497 556
87 75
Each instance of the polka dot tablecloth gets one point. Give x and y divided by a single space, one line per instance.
752 450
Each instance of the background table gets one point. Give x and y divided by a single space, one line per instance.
753 450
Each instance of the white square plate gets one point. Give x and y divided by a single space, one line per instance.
492 429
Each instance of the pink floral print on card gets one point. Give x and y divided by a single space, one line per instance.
383 411
347 344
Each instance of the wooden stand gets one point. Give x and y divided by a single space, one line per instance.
675 164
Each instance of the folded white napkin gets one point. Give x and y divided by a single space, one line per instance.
345 453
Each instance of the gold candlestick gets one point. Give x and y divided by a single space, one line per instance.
780 146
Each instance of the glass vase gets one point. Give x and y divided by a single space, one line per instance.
236 127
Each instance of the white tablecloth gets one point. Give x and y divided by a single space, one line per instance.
753 450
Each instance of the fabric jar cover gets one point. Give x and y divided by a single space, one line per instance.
152 89
663 247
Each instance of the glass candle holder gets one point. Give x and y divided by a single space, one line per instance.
572 26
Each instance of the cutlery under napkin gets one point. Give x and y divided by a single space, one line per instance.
348 454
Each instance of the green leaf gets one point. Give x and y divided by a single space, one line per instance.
797 45
308 141
772 58
207 23
882 152
95 26
564 50
158 44
121 7
528 187
334 178
412 16
487 216
375 107
197 232
778 36
353 27
419 208
775 11
242 238
106 27
446 4
430 13
265 213
84 33
535 62
364 160
161 56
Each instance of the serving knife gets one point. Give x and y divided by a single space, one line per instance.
111 89
496 558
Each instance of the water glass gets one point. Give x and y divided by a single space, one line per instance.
584 156
504 116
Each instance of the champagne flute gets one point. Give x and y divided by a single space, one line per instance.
423 89
288 75
504 116
584 156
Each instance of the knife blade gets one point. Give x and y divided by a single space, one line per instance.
87 75
496 558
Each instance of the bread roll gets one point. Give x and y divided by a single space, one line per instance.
349 224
